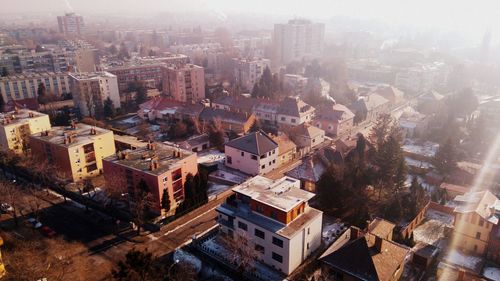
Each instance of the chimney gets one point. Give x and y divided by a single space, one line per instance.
378 243
153 165
73 124
461 275
31 115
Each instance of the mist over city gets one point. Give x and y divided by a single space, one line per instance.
218 140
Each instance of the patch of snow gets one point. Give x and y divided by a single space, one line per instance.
210 156
183 256
417 163
131 120
215 188
225 175
427 149
492 273
432 231
332 231
458 258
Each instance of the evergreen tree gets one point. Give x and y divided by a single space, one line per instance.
137 266
141 94
109 108
5 72
331 189
2 104
445 159
123 53
165 200
256 90
42 94
401 172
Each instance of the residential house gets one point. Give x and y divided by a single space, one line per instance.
16 127
368 108
195 143
357 255
392 94
239 104
276 217
76 151
307 137
413 123
266 111
293 112
476 223
237 122
163 108
161 166
335 119
287 148
254 154
430 102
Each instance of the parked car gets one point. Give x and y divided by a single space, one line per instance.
6 208
34 223
47 231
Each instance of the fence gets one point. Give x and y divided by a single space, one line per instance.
406 231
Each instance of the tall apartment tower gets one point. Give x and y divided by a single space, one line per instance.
298 39
185 83
70 24
91 89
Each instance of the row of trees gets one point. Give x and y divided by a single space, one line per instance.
268 86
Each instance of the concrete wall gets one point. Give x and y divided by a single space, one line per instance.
243 161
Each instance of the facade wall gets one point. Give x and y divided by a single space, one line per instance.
304 243
14 136
294 120
96 90
71 160
472 236
243 161
185 84
23 87
131 74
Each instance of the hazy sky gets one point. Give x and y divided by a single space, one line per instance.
461 14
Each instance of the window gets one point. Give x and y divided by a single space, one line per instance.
308 229
263 166
293 120
277 257
229 160
242 154
278 242
91 168
308 245
283 118
259 209
254 157
478 235
475 248
259 248
242 225
481 222
259 233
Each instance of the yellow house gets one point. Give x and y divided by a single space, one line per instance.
76 151
2 265
16 127
475 219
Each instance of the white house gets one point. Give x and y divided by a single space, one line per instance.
274 215
293 111
307 137
254 154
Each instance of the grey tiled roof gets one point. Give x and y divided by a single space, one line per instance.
257 143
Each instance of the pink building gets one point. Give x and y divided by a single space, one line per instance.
185 83
159 165
335 119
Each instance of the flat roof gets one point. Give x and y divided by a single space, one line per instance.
134 141
282 194
91 75
32 75
19 117
167 157
81 134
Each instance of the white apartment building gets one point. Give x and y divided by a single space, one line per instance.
247 72
254 154
295 84
422 77
298 39
276 218
91 89
23 86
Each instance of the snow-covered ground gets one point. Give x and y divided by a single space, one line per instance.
458 258
492 273
432 231
332 231
418 163
134 120
183 256
427 187
215 188
228 176
427 149
261 269
210 156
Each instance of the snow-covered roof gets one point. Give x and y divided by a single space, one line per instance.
283 194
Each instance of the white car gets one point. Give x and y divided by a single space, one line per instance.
6 208
34 223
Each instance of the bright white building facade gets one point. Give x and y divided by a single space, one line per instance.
274 215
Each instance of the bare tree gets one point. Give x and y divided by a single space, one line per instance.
11 194
243 251
141 201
